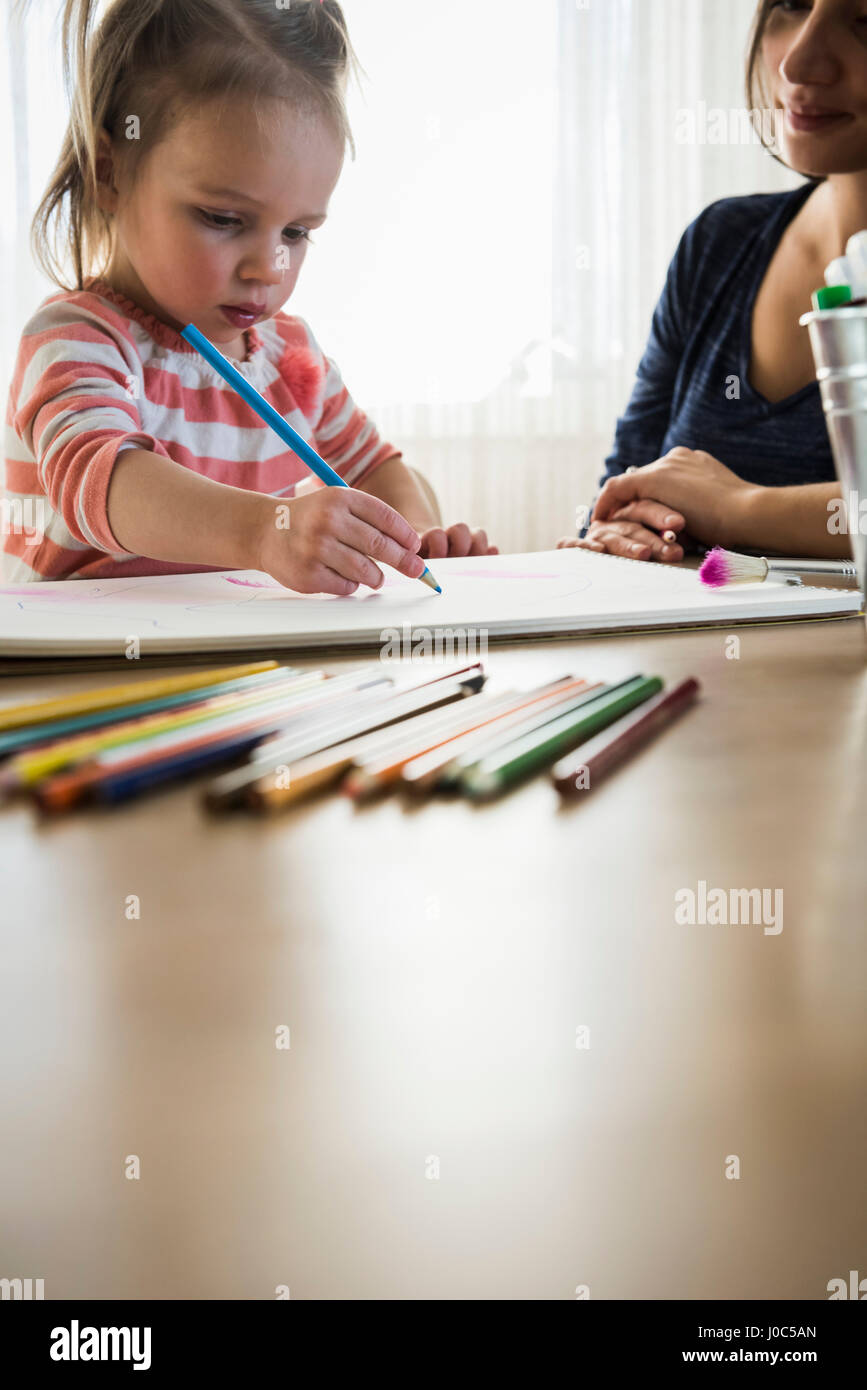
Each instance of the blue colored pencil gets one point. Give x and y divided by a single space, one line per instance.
272 417
127 785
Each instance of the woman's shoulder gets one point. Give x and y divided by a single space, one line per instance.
726 222
717 242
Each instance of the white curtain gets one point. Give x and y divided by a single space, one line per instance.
493 255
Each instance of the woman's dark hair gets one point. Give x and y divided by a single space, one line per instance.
756 77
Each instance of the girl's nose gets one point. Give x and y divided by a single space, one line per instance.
814 56
268 265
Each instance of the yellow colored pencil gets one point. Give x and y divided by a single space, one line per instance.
113 696
27 768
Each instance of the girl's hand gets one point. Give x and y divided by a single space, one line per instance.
457 540
634 534
332 534
709 497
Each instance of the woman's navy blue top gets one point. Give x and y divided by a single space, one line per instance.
700 340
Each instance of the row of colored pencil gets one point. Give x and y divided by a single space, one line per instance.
289 733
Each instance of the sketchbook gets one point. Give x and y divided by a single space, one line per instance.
552 593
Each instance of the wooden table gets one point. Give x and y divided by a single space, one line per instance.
434 1131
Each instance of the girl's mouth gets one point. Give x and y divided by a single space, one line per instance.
241 315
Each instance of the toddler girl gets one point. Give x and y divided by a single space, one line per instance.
205 140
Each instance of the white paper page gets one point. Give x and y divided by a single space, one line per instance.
550 592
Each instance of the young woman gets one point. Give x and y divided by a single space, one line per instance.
724 439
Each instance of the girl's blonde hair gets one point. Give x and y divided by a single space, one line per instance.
156 60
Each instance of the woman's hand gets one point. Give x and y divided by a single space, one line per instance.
330 539
457 540
711 499
637 534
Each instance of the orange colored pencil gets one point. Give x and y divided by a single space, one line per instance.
379 773
422 773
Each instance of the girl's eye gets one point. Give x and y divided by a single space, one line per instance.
222 223
216 219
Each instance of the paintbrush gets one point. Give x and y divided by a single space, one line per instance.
722 567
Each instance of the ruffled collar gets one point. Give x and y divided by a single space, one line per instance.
162 333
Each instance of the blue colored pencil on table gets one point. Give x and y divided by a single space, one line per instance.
272 417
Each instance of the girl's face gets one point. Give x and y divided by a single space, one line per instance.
815 57
214 229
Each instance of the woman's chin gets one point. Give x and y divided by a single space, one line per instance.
808 157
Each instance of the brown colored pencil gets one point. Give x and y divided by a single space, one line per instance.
582 770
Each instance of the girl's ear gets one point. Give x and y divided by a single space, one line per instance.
106 189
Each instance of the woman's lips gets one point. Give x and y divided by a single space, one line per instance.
241 317
808 120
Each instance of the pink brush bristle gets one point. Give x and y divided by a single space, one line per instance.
305 379
715 570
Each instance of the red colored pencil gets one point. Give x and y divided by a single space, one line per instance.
582 770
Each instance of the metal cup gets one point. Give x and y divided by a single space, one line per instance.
839 341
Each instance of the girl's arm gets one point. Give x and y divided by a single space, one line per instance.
322 543
160 509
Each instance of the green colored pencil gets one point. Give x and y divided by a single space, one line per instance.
493 742
535 750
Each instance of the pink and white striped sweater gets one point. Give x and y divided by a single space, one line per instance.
95 374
